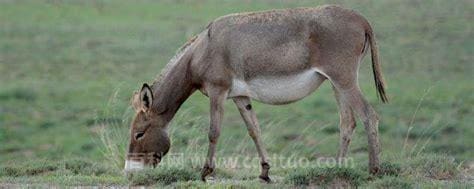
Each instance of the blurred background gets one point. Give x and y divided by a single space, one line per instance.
68 69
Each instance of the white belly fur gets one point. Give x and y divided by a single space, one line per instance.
278 89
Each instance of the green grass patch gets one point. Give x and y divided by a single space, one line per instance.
391 182
391 169
30 168
441 167
85 167
327 176
21 94
162 175
44 167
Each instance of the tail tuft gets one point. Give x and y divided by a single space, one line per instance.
376 68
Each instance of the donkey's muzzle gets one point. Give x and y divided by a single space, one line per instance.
139 161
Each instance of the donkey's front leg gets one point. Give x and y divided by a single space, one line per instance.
250 119
217 98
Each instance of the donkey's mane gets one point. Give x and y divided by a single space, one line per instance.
179 53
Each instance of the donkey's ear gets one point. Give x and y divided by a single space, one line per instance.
146 98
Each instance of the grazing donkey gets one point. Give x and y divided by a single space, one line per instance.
275 57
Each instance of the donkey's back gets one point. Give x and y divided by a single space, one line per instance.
281 56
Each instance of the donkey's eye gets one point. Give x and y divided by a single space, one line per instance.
139 135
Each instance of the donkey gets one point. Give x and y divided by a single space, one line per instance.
274 57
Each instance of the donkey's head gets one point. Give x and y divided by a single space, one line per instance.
149 140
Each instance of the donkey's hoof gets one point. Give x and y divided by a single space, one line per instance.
265 178
203 179
206 170
374 170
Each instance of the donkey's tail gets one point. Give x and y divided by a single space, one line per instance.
376 68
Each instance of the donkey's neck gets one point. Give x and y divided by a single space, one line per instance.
174 85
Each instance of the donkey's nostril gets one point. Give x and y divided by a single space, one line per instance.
139 135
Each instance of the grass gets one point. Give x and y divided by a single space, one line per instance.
43 167
393 182
325 176
68 69
440 167
163 176
28 169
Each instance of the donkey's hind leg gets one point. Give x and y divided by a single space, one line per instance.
347 89
347 125
369 117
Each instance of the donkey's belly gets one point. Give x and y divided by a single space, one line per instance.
280 89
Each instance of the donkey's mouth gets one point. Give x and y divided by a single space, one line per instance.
155 160
132 165
139 161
